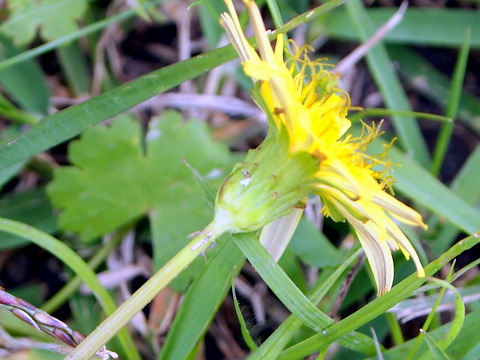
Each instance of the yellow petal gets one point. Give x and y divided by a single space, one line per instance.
231 24
378 254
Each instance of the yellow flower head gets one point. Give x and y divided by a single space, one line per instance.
308 150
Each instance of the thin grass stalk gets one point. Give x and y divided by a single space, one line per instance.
452 107
108 328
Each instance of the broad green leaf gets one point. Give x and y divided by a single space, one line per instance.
54 18
179 207
113 182
65 39
67 123
205 294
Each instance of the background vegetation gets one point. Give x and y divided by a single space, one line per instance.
101 100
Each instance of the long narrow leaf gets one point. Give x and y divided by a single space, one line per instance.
459 318
274 345
436 351
67 123
286 290
426 26
201 302
377 307
281 284
380 65
452 108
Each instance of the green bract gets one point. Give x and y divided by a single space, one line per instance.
265 187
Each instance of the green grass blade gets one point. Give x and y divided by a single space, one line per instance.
465 346
380 66
276 342
201 302
89 29
459 317
275 12
432 317
74 262
452 108
65 124
395 329
379 112
205 295
14 114
436 353
473 353
62 295
208 190
378 306
247 337
287 291
281 284
465 185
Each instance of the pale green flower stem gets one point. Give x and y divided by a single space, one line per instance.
109 327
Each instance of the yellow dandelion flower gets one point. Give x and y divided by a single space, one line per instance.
308 150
